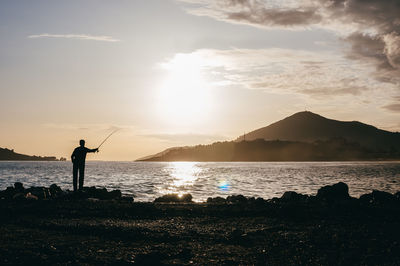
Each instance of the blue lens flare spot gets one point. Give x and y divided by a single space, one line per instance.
224 185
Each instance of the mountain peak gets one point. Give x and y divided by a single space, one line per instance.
305 115
307 126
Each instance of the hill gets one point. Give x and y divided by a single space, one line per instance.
310 127
304 136
10 155
262 150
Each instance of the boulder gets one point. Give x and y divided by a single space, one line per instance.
292 196
382 197
39 192
115 194
397 195
236 199
260 201
9 193
174 198
336 192
19 196
29 196
378 197
126 199
186 198
366 198
216 200
19 187
100 193
55 191
93 192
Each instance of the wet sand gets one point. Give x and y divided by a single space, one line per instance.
87 232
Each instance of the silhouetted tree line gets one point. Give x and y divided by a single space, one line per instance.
335 149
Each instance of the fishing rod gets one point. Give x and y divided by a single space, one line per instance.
107 137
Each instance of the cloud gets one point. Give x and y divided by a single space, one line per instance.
394 106
316 74
371 27
270 17
256 13
382 52
76 37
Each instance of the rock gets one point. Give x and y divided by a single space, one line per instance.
93 192
9 193
127 199
251 200
29 196
397 195
19 196
292 196
47 192
382 197
39 192
101 193
260 201
336 192
378 197
55 191
19 187
174 198
115 194
216 200
186 198
236 199
366 198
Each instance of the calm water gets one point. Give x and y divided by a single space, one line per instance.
148 180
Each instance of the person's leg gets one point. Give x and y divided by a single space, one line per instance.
75 176
81 176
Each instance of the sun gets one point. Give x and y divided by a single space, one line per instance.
184 97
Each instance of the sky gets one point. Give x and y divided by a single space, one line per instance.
169 73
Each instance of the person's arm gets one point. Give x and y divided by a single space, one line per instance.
73 156
93 150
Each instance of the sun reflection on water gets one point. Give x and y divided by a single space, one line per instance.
182 176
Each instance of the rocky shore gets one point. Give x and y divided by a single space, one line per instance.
96 226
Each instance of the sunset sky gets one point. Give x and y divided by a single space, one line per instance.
184 72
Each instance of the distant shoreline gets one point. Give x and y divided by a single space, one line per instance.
10 155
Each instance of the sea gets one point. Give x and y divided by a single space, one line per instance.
146 181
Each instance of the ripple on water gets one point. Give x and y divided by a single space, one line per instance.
264 179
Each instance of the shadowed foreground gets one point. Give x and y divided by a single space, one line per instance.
295 229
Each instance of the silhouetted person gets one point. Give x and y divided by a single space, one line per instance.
78 158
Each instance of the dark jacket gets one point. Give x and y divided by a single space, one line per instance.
79 154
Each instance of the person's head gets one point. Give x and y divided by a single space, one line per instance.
82 143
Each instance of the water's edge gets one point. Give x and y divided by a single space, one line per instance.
148 180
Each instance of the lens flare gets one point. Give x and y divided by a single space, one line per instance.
224 185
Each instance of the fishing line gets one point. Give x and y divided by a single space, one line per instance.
108 137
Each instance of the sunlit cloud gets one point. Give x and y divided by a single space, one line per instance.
101 38
323 77
370 30
286 70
